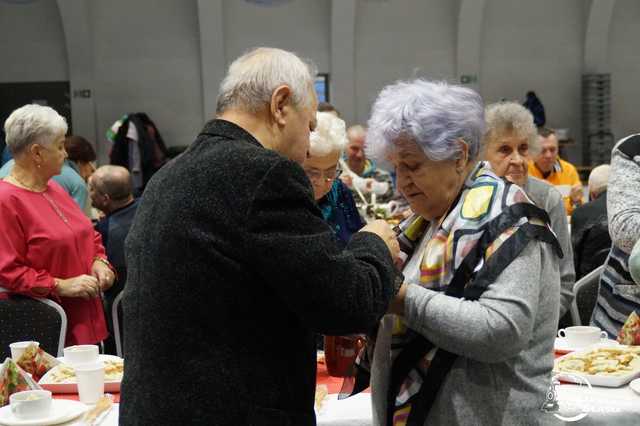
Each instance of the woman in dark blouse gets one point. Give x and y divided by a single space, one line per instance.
333 197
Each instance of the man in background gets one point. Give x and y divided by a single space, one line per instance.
547 165
361 174
110 190
590 227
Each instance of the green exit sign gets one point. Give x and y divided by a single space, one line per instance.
468 79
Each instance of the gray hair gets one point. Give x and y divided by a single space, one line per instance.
435 115
254 76
599 178
507 117
30 124
329 135
356 132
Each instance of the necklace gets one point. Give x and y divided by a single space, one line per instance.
30 188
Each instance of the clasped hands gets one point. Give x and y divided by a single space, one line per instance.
87 286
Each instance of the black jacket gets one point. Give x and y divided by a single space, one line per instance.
590 235
231 270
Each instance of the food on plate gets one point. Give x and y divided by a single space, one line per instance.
113 370
13 379
36 361
616 361
630 332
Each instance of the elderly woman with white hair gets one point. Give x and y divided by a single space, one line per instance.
339 210
470 338
510 141
48 247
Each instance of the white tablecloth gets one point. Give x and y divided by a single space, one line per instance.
602 406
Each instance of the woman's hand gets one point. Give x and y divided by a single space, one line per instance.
103 274
84 286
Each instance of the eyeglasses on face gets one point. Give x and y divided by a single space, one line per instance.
316 175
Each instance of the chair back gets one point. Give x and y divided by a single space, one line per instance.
586 295
24 318
116 316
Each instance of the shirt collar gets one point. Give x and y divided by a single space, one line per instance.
218 127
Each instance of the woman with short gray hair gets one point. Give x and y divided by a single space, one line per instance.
327 143
470 338
48 247
510 142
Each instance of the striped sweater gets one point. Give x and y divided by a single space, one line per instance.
619 295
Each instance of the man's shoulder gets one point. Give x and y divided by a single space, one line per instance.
567 166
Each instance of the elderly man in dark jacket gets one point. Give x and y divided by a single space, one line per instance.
590 227
232 268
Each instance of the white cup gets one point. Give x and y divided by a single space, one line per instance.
81 354
581 336
18 348
31 404
90 382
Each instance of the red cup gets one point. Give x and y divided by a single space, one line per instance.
340 353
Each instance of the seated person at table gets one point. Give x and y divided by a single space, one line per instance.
48 247
509 142
589 225
548 166
327 107
619 295
111 190
361 174
321 167
471 337
232 268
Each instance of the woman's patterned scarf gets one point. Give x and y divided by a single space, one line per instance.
487 227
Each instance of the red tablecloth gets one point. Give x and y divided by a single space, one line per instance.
333 383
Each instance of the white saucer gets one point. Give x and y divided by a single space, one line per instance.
62 410
561 345
635 385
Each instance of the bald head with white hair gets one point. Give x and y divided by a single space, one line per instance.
598 180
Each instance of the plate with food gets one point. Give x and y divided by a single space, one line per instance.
600 366
62 377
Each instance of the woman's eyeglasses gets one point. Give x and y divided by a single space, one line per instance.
316 175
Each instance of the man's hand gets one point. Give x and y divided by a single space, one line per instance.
346 179
384 231
576 194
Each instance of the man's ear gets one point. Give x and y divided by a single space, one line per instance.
280 98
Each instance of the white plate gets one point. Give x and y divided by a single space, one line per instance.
635 385
62 410
101 358
562 346
593 379
48 384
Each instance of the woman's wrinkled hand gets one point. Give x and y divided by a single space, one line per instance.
84 286
103 274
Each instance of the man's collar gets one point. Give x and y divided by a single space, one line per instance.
129 204
219 127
